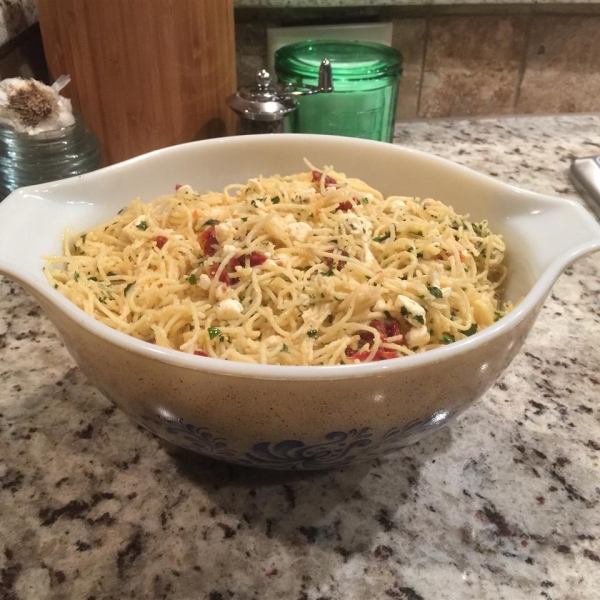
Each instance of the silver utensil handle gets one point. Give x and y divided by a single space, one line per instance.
585 175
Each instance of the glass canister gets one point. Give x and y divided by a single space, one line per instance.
30 159
366 78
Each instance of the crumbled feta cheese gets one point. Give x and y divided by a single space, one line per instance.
204 281
283 260
305 193
370 259
414 309
229 249
220 291
224 232
229 309
299 231
434 275
132 230
380 305
357 225
417 336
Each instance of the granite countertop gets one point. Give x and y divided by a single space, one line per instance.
15 17
503 504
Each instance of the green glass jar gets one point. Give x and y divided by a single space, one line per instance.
365 83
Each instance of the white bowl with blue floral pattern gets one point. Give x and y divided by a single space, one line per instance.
280 417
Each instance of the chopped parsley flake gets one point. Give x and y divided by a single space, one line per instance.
403 311
328 273
192 280
76 276
497 316
420 319
284 348
93 279
382 238
447 338
436 292
312 334
244 219
471 330
275 200
142 225
365 200
213 332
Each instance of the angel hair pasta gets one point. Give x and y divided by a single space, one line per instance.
309 269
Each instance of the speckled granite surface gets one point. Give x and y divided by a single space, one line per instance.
15 16
504 504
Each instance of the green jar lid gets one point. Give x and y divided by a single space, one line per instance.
350 61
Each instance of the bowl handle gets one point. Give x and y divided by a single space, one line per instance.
564 229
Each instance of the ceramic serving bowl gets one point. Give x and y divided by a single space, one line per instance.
293 417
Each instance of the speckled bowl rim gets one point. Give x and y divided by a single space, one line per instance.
307 373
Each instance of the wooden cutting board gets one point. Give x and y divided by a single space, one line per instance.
145 73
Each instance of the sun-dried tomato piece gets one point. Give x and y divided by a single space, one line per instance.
208 242
200 353
329 181
344 206
223 277
161 240
392 328
257 259
340 263
368 337
233 263
386 329
363 355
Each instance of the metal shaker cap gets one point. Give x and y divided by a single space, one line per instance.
264 101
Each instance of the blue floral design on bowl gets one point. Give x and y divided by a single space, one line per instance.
338 448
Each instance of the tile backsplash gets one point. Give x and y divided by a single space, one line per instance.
487 61
459 60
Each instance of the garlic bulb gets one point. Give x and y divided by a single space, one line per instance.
28 106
